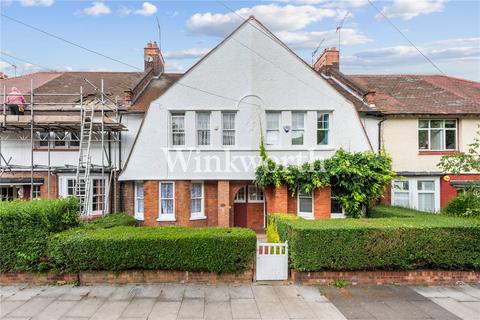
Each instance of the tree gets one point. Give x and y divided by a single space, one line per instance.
463 162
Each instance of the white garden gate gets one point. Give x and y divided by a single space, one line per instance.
272 261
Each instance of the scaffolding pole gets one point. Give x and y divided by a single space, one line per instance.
104 186
31 139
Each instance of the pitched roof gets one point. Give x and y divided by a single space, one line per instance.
422 94
24 82
155 89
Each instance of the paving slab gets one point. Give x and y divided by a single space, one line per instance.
165 310
75 293
265 293
327 311
120 293
85 308
244 309
54 291
172 292
26 293
31 308
55 310
194 291
457 308
218 293
192 309
138 308
473 291
148 291
110 310
7 291
311 294
8 306
297 308
101 291
271 310
217 310
240 292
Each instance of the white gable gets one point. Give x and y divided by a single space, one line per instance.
250 72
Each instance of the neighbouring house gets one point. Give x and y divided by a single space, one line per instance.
194 159
46 165
422 118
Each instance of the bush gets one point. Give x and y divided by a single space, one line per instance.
212 249
466 204
112 220
399 242
25 227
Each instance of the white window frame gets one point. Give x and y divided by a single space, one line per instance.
178 132
197 215
443 129
205 130
272 130
101 195
51 138
327 130
294 129
396 191
234 130
413 192
139 215
434 191
166 216
305 215
36 191
237 199
259 192
63 190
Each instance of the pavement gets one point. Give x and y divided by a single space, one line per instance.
256 301
163 301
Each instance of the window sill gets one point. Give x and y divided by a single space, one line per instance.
255 201
198 218
337 215
437 152
166 219
56 149
306 216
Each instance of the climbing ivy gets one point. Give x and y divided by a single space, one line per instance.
356 178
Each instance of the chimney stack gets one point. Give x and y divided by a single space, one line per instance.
153 58
3 76
330 58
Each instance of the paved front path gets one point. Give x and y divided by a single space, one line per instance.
400 302
157 302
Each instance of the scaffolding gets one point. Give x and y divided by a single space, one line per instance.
79 120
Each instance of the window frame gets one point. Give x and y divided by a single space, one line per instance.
259 193
277 130
443 130
433 192
327 130
166 216
298 129
403 191
173 116
230 130
94 196
237 200
139 215
51 139
197 215
305 215
208 130
36 194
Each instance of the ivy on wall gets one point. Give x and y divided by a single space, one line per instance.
356 178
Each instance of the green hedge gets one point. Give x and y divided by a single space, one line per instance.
112 220
393 239
221 250
25 227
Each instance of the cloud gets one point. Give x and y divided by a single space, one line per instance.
276 18
172 66
449 50
310 40
36 3
146 10
192 53
97 9
337 3
409 9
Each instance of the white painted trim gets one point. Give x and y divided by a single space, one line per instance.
244 195
165 216
254 201
137 214
413 191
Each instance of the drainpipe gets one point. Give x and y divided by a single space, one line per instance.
380 135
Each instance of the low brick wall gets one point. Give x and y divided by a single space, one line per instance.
417 277
133 276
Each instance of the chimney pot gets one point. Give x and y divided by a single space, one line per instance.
153 58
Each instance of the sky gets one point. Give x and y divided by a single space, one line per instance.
447 32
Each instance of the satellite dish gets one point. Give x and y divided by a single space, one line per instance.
148 58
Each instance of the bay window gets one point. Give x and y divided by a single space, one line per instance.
167 202
298 127
273 128
437 135
305 204
196 202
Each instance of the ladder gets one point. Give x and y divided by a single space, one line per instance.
82 182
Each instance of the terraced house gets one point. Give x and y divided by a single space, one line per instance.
182 148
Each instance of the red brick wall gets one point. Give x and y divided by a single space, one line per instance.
322 203
387 196
127 197
224 204
211 202
43 187
150 203
255 216
448 192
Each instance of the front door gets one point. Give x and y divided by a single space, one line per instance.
240 208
